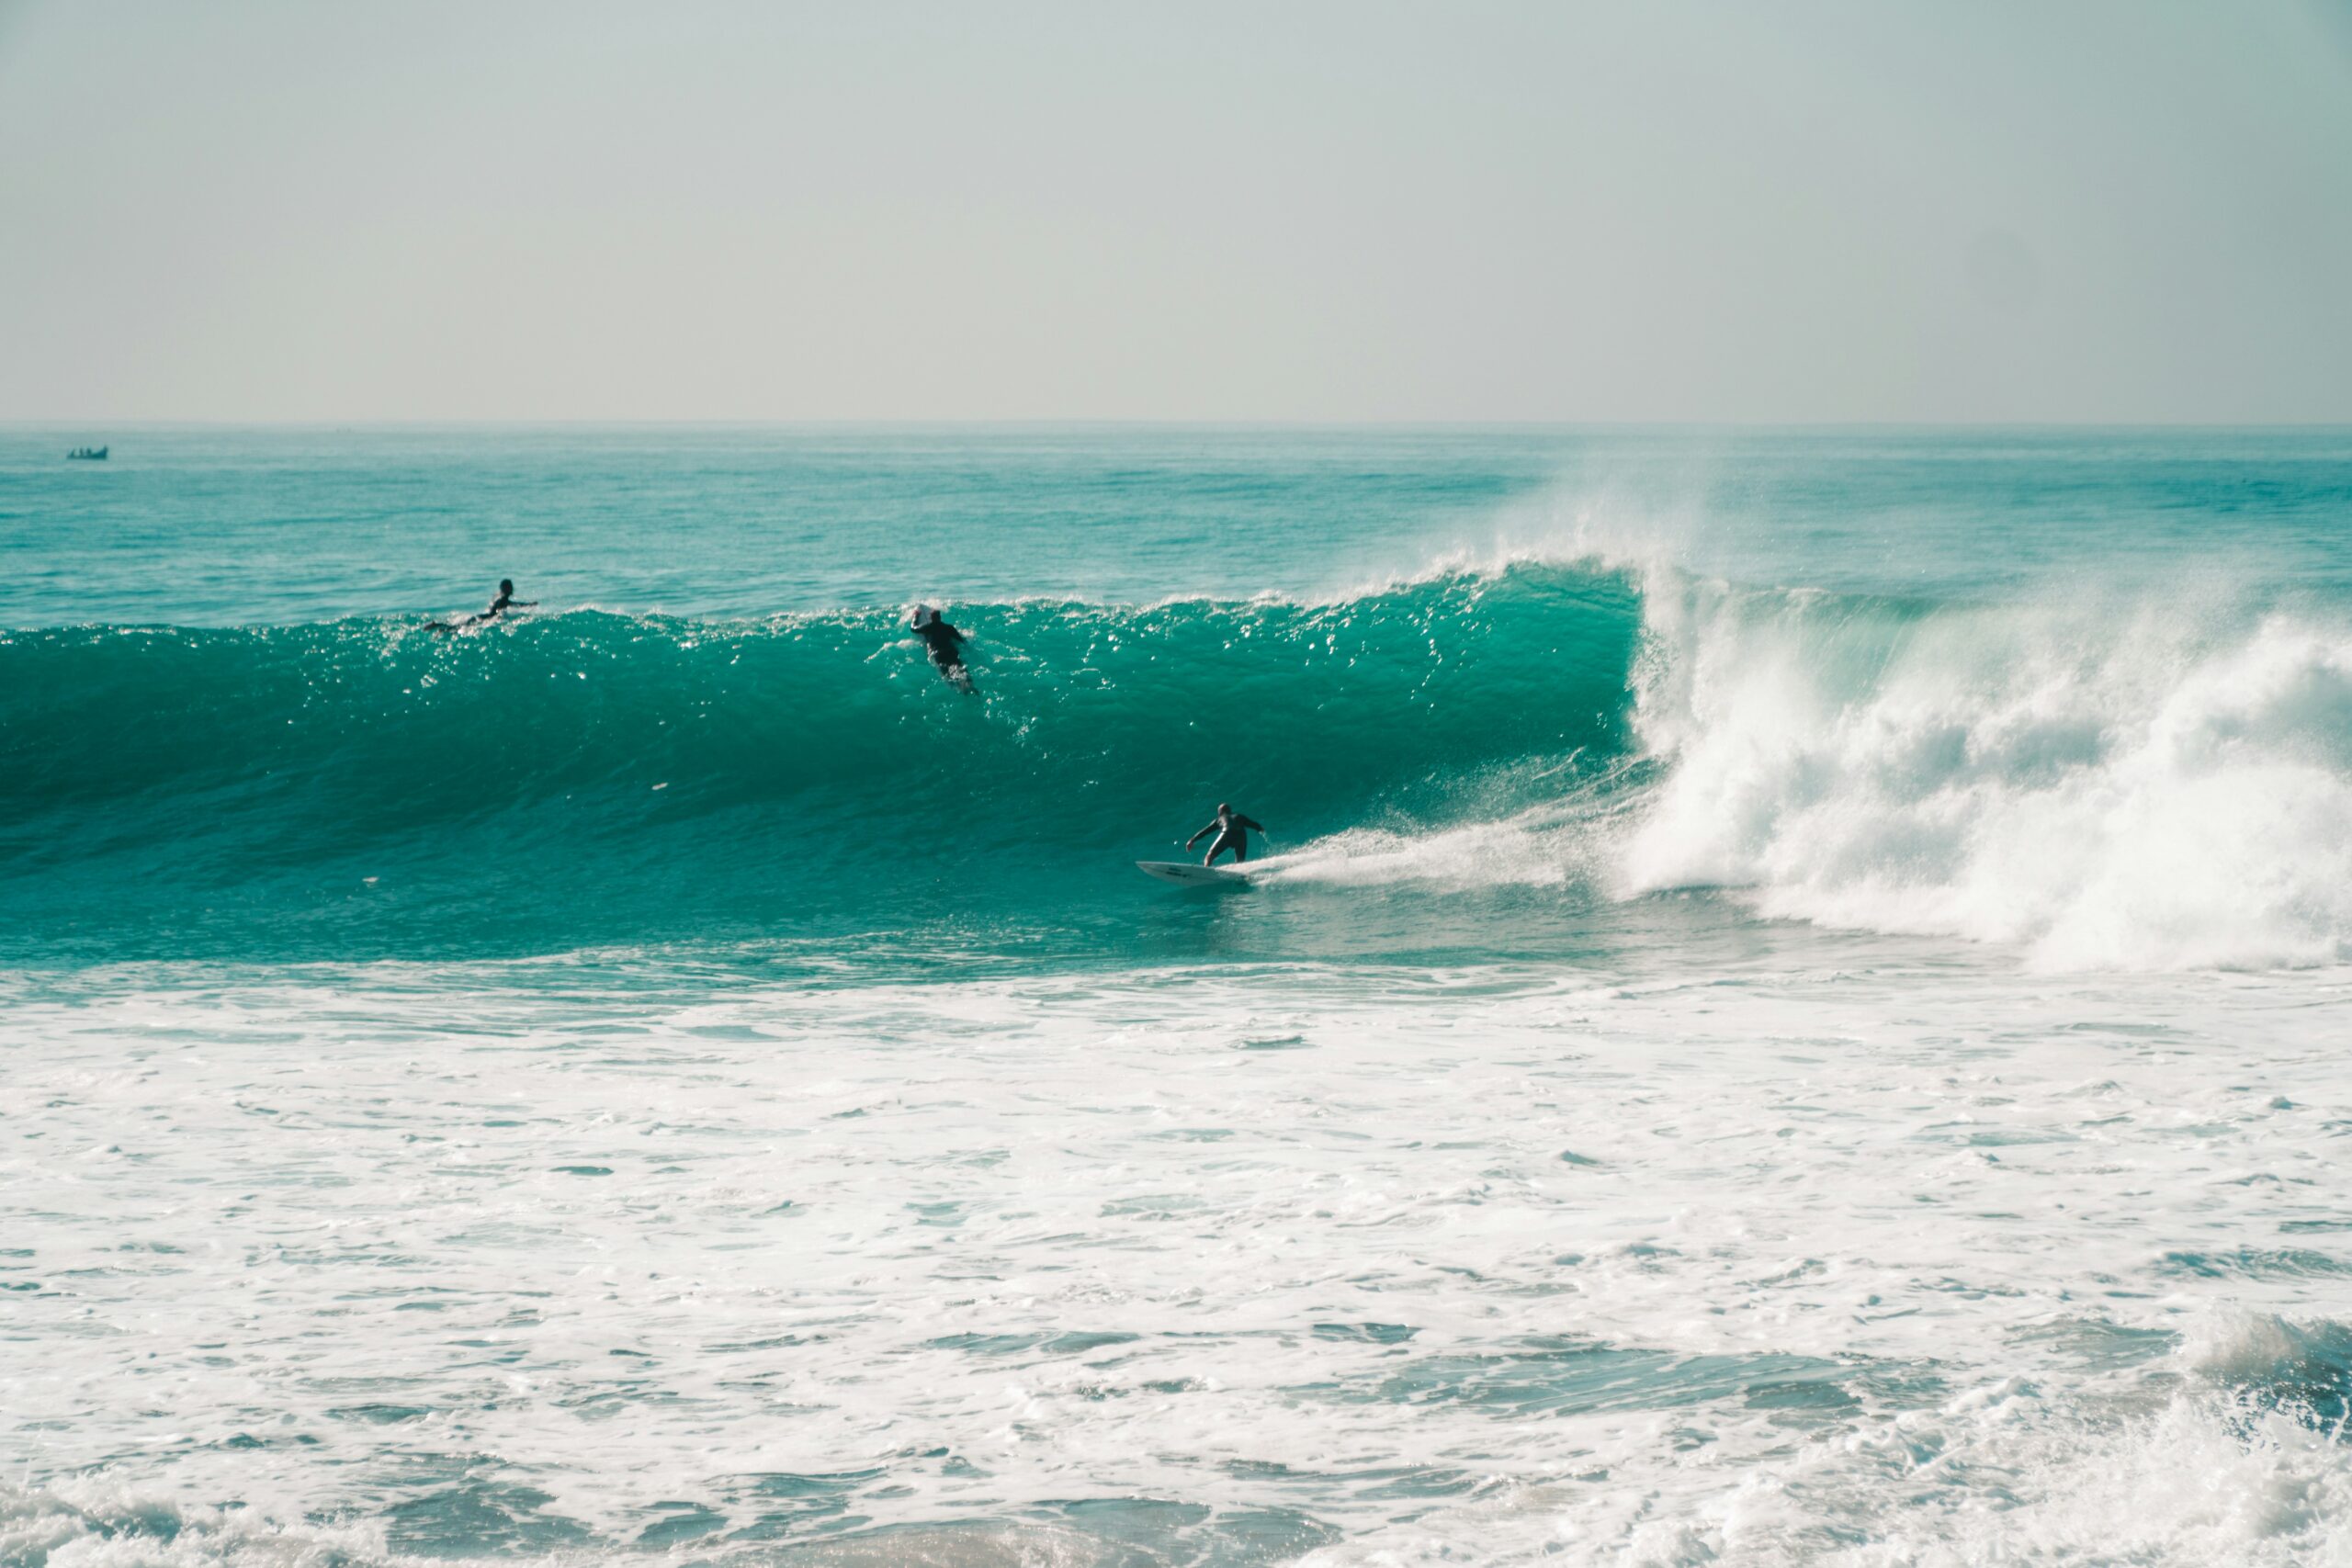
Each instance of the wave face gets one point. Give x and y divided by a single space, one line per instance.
586 778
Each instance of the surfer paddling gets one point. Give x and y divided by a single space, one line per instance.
945 644
506 601
498 606
1232 831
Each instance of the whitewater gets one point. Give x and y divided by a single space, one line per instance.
1794 1011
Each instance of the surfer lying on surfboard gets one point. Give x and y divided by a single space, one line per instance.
1232 831
498 606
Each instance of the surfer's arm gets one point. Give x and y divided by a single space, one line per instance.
1199 835
1249 822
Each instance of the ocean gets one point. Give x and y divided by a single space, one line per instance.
1794 1008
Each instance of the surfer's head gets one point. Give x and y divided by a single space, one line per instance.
506 586
924 616
1223 810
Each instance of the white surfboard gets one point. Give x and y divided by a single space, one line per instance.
1193 874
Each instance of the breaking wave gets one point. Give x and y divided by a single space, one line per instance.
2091 784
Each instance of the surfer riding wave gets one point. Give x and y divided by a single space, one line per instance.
1232 831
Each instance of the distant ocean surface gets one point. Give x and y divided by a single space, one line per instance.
1796 1011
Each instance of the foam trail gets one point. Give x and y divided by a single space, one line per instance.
1560 842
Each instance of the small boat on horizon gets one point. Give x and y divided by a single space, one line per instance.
87 454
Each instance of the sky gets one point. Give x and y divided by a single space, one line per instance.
2099 210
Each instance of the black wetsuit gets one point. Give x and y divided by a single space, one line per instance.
498 606
946 646
1232 832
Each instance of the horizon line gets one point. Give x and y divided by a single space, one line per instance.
1008 423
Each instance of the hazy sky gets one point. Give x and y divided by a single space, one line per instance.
1645 211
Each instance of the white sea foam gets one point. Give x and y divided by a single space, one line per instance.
2119 786
1832 1256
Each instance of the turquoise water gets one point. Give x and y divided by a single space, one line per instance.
1792 1011
225 736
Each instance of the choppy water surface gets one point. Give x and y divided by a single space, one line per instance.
1785 1262
1796 1012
